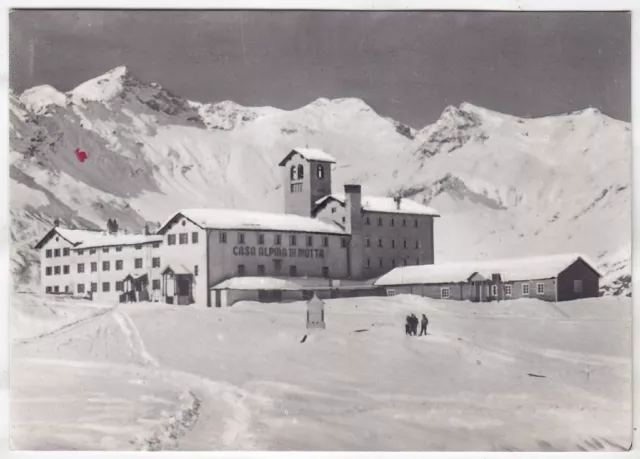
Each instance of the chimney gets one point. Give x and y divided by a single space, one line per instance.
398 200
56 222
353 208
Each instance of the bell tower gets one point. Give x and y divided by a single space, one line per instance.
306 179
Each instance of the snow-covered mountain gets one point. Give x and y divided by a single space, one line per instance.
505 185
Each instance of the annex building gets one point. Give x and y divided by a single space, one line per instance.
322 235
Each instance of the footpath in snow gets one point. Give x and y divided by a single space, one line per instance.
515 375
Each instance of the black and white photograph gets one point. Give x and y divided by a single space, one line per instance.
306 230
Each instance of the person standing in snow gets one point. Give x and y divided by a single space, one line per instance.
414 324
407 326
423 325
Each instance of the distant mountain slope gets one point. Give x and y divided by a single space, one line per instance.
505 185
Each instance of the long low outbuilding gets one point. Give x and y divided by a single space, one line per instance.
550 278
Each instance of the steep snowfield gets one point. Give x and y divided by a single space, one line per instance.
505 186
514 375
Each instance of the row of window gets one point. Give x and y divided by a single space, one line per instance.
66 251
183 238
405 244
106 266
381 263
277 239
93 287
277 268
392 222
297 172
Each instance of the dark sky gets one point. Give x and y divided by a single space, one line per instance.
407 65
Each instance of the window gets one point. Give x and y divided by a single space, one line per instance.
138 263
344 219
56 252
343 242
194 237
309 241
393 243
540 288
223 237
48 270
260 239
119 247
80 288
393 263
155 284
56 289
367 221
278 239
325 272
277 265
325 241
92 251
507 290
393 222
368 263
56 270
379 242
368 242
292 173
293 271
240 238
155 262
404 243
66 289
525 289
494 290
106 249
333 210
106 286
379 221
65 269
577 286
94 266
80 252
300 172
445 293
48 254
119 265
171 239
94 286
404 262
241 270
195 270
65 252
320 171
184 238
292 239
417 244
417 261
48 289
138 246
391 292
106 265
381 262
296 187
260 270
404 222
155 245
120 286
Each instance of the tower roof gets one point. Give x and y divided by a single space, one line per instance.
310 154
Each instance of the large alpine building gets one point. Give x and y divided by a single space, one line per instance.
322 234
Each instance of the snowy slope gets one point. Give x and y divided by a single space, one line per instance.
505 186
515 375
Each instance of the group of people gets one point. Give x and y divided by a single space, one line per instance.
411 326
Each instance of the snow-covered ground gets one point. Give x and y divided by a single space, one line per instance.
515 375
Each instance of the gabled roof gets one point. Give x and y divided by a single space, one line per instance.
310 154
110 240
233 219
382 204
72 236
514 269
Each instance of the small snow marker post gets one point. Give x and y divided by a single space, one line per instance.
315 313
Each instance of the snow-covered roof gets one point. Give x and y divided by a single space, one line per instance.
104 239
73 236
253 220
385 204
310 154
257 283
514 269
177 269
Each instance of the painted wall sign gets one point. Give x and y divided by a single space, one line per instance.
282 252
